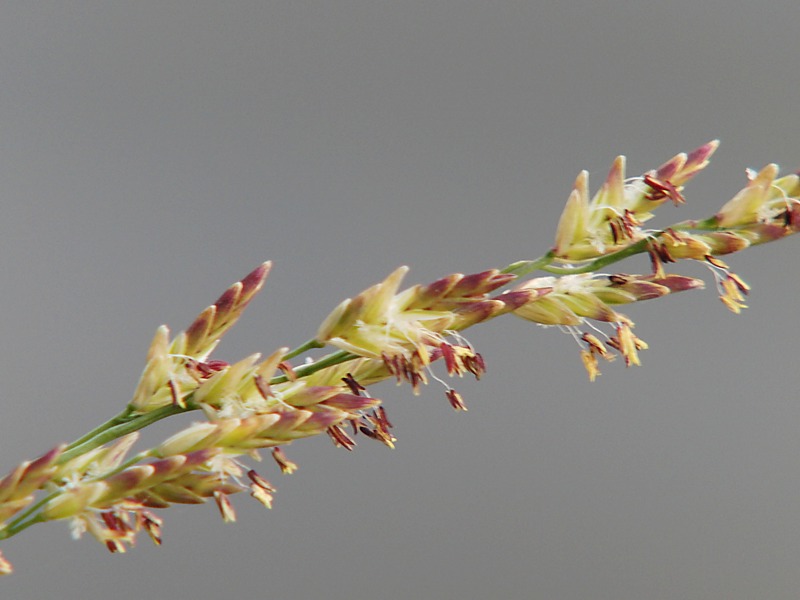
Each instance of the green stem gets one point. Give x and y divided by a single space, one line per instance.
309 345
23 522
709 224
114 429
545 263
603 261
523 267
123 417
326 361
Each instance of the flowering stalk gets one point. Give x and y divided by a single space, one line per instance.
382 333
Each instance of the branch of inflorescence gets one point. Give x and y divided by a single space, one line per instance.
128 421
381 333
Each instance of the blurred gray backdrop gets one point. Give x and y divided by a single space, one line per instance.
151 153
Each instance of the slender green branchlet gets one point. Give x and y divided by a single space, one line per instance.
385 332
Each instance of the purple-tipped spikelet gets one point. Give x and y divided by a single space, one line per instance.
571 300
207 329
175 370
99 493
18 487
612 219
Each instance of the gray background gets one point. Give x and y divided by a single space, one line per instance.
151 153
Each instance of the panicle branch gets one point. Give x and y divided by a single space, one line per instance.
380 334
